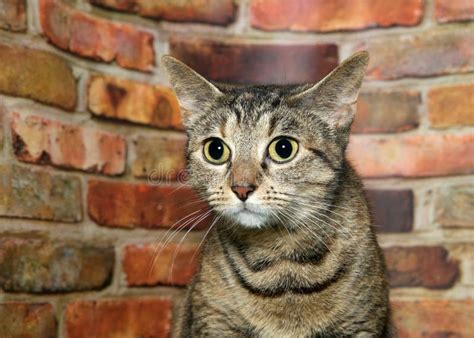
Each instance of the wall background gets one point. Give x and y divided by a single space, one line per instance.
91 149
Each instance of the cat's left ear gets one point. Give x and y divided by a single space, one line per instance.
194 92
333 98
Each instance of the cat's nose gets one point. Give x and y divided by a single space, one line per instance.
243 191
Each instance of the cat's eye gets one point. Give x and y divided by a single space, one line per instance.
283 149
216 151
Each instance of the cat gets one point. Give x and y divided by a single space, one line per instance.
291 252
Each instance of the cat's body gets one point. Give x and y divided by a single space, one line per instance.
292 252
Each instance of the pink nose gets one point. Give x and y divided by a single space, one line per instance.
243 191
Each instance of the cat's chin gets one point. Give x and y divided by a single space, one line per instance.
250 219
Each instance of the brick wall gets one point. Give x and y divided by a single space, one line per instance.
91 150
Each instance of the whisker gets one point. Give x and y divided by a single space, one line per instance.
182 239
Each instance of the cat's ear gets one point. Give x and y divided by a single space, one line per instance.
194 92
333 98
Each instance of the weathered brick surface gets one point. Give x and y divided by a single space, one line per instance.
425 266
153 264
13 15
392 210
136 102
148 206
160 157
96 38
414 156
451 106
255 63
37 75
109 318
44 141
420 55
433 318
39 194
2 116
455 206
219 12
323 16
34 263
454 10
31 320
386 111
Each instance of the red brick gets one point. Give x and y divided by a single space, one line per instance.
39 194
426 54
13 15
29 320
412 155
43 141
454 10
220 12
433 318
34 263
425 266
392 210
386 112
147 206
160 158
136 102
247 62
451 106
109 318
324 16
153 264
455 206
96 38
37 75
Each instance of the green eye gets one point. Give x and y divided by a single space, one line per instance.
216 151
283 149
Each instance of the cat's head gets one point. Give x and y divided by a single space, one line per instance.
262 154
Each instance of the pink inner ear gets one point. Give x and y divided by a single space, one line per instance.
343 116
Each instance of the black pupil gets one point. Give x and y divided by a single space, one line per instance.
216 149
283 148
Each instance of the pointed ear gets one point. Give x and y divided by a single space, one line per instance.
333 98
194 92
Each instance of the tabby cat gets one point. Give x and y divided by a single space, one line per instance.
291 252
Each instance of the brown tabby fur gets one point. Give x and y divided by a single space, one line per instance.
306 262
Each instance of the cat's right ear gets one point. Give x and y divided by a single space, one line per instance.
194 92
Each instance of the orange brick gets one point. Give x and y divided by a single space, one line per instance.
110 318
451 106
96 38
421 266
37 75
454 10
160 158
136 102
386 111
43 141
219 12
420 55
148 206
412 156
13 15
433 318
323 16
153 264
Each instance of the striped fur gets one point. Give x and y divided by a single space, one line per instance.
303 261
